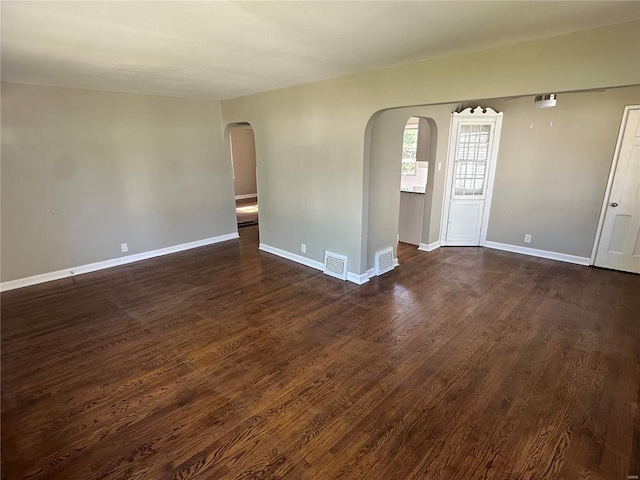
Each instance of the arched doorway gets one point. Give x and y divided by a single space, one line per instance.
414 174
242 150
384 149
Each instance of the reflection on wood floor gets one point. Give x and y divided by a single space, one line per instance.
247 212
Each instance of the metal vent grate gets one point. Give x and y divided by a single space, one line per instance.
384 261
335 265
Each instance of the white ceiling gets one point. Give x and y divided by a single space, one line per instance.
223 49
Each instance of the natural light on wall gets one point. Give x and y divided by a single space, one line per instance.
414 169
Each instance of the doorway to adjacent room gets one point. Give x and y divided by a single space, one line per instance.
243 160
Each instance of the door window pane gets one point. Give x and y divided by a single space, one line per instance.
471 160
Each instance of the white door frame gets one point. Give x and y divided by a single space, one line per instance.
612 171
470 114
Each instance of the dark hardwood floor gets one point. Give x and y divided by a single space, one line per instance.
225 362
247 211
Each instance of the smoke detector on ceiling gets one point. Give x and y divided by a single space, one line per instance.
545 101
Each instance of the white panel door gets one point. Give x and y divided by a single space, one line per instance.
465 220
619 246
471 165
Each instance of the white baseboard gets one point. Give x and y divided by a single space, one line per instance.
291 256
365 277
247 195
429 247
352 277
372 271
562 257
115 262
358 279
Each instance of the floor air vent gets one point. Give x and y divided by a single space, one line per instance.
384 261
335 265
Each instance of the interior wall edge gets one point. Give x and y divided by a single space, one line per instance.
429 247
114 262
308 262
534 252
358 279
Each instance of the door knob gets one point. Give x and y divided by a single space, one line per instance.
614 204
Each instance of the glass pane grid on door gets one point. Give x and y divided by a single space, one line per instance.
471 160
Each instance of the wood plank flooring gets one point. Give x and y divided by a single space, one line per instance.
224 362
247 211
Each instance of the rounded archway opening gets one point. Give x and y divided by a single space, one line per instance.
241 145
401 147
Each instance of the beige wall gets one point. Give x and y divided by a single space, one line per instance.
553 167
422 150
318 131
84 171
551 173
244 160
410 221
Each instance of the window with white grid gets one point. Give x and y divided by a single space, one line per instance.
471 160
409 149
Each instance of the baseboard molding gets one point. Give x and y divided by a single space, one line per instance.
352 277
365 277
247 195
372 271
115 262
561 257
358 279
291 256
429 247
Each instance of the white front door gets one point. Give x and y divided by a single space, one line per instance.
473 148
619 245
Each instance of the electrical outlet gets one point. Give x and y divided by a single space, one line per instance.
527 238
303 247
124 247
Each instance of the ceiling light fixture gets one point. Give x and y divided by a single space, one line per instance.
545 101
